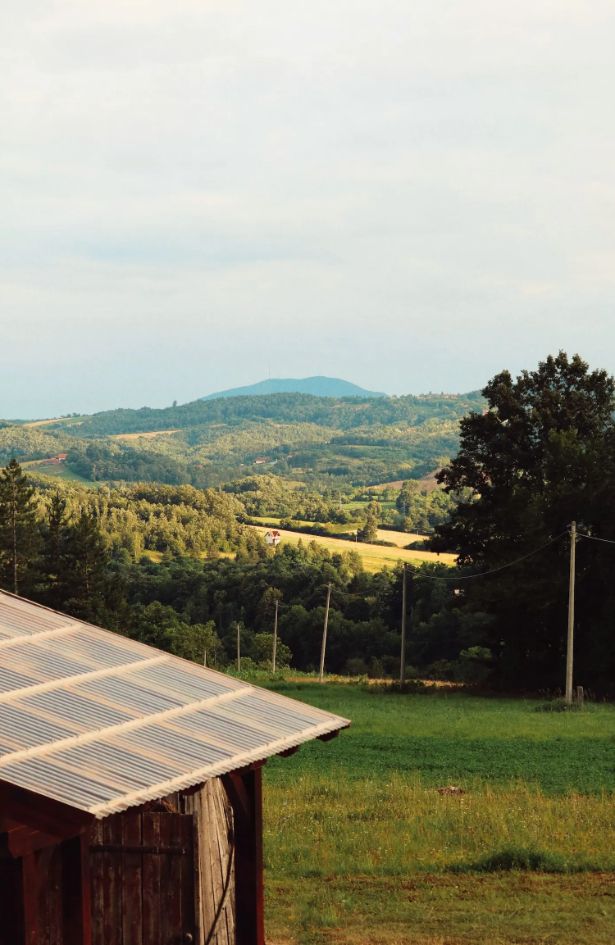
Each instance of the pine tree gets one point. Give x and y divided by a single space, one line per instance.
55 532
19 535
84 568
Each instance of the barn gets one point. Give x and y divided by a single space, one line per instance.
130 788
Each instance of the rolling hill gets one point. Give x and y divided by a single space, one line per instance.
323 442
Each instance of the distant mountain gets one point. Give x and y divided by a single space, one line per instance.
317 386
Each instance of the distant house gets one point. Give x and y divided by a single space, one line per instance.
56 460
273 537
261 461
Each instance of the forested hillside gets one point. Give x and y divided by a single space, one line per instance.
319 441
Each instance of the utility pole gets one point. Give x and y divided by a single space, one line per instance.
323 648
402 655
238 625
570 638
275 638
205 658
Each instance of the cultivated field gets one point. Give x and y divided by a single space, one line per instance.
151 435
375 557
362 847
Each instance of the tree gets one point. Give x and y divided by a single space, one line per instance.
408 491
84 568
53 551
369 530
159 625
261 650
19 535
540 455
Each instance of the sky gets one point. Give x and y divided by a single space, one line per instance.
199 195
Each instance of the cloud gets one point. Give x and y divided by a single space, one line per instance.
359 188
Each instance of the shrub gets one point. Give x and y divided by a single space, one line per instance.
523 860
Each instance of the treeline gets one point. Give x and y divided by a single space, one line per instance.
232 596
344 413
174 520
41 525
93 555
104 461
270 495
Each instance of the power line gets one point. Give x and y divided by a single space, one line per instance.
509 564
607 541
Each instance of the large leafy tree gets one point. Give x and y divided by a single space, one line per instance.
19 535
539 456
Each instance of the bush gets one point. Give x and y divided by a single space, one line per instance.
375 669
557 705
523 860
473 665
441 669
355 666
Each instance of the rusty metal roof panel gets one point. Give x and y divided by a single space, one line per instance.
102 723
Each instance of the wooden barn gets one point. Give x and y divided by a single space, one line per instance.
130 788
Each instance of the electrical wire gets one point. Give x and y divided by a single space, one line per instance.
509 564
607 541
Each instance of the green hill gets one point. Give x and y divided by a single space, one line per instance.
323 442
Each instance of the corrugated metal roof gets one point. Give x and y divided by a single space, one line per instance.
102 723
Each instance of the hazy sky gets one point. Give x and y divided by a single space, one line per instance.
193 195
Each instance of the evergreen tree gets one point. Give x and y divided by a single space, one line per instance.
19 535
85 563
55 531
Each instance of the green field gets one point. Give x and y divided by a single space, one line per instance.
362 847
63 472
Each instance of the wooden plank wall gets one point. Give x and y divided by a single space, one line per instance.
143 877
160 874
215 886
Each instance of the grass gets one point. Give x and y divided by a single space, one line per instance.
513 909
362 847
62 471
374 557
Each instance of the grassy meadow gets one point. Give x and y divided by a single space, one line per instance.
362 846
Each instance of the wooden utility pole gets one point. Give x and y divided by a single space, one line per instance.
570 638
275 638
238 625
205 658
323 648
402 655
